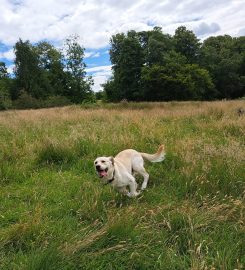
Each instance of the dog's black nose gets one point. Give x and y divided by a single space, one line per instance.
97 167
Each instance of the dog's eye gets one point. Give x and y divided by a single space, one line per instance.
102 161
96 162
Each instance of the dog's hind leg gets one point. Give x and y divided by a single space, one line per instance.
141 170
138 167
132 187
146 178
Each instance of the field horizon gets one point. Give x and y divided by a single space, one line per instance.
55 213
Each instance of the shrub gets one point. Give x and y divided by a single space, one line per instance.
26 101
5 101
56 101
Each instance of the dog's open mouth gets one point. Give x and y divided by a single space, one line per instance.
102 173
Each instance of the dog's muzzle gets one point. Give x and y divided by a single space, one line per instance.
101 172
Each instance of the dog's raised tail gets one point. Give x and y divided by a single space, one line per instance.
157 157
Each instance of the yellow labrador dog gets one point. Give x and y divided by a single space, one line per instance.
119 171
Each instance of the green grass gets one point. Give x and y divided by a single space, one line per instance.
55 213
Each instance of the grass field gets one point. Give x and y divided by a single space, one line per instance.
55 213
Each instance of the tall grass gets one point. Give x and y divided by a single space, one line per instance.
55 214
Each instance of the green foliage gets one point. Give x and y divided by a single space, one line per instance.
188 82
127 58
3 71
110 89
26 101
5 88
51 62
187 44
146 66
101 95
55 101
29 76
78 85
153 66
5 98
224 58
45 77
155 45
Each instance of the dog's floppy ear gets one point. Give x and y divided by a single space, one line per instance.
112 160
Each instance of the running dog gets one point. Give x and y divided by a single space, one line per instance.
119 171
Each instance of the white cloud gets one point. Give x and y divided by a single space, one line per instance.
205 29
98 81
99 69
100 75
11 69
95 21
241 32
91 54
9 55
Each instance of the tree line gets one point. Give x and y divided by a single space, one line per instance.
146 66
153 66
45 76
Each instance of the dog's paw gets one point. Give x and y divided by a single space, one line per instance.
137 193
133 195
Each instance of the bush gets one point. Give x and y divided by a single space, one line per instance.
5 101
26 101
56 101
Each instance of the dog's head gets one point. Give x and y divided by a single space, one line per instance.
104 167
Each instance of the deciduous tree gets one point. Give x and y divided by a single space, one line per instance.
187 44
78 84
127 60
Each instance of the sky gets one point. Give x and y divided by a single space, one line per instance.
95 21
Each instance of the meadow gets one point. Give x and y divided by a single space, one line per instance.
55 213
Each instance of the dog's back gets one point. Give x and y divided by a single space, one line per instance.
131 158
126 157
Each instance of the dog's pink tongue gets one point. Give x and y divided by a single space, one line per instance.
103 173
